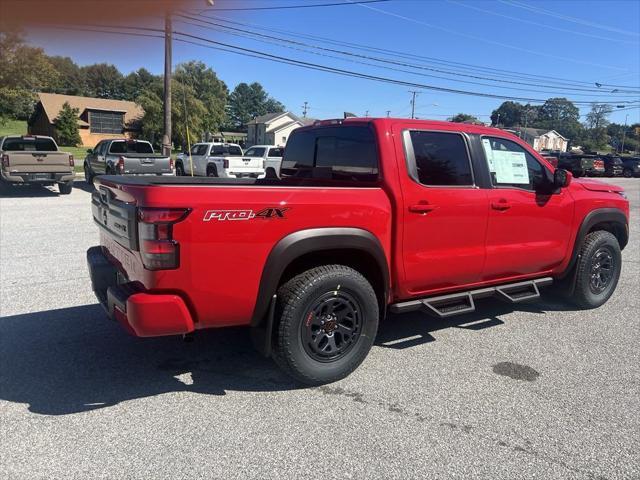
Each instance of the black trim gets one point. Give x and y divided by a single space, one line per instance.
600 215
479 161
299 243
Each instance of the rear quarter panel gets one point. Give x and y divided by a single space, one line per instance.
221 261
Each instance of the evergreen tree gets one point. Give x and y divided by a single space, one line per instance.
67 126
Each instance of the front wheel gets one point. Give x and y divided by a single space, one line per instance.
88 177
328 322
627 173
180 169
598 269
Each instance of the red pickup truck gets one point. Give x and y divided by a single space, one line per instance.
369 216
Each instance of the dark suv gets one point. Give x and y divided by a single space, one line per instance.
631 167
613 166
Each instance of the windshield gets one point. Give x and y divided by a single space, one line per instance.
29 145
131 147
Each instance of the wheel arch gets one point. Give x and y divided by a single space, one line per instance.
299 251
611 220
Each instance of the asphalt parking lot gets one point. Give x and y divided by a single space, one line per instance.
541 391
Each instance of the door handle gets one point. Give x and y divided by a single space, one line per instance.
501 205
422 208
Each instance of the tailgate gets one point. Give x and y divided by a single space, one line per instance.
245 163
150 165
38 161
115 216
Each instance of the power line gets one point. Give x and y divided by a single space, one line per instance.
431 60
288 7
253 34
486 40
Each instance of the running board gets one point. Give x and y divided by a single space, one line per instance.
463 302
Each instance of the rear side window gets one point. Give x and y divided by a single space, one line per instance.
230 150
345 153
130 147
276 152
441 159
255 152
29 145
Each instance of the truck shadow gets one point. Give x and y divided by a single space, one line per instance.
73 360
23 191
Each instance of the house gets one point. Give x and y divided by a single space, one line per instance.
543 139
272 128
98 118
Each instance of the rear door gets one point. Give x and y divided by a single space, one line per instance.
274 159
445 210
529 228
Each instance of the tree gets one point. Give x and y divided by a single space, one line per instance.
464 117
67 126
509 114
208 88
24 70
139 81
561 115
104 81
249 101
153 121
70 77
596 122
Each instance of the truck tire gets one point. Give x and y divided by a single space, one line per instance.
598 269
65 188
212 171
627 173
88 177
328 320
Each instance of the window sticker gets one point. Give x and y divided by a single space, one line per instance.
488 151
510 167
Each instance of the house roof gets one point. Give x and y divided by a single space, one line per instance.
53 102
284 125
271 117
537 132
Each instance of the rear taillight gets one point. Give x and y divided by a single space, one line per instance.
598 163
120 165
5 160
158 249
171 164
225 163
71 162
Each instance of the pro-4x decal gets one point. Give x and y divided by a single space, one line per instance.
233 215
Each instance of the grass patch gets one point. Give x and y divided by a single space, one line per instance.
13 127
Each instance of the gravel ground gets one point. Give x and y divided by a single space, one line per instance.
538 392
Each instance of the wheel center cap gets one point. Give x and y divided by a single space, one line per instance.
330 325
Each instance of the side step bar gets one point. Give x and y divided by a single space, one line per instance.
463 302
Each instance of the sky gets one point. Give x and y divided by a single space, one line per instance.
576 41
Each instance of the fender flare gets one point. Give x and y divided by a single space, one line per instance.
302 242
600 215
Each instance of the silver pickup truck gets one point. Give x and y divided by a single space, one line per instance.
34 159
125 157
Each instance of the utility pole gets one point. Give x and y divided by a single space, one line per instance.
166 139
624 132
305 108
366 114
413 102
388 113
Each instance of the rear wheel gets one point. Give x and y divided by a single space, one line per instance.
627 173
598 269
65 188
212 171
328 322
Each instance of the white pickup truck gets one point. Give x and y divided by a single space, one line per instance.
224 160
270 155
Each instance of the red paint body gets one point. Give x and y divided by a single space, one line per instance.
435 239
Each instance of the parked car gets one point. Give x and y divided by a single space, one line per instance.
224 160
35 159
582 165
631 167
270 155
125 156
613 166
369 216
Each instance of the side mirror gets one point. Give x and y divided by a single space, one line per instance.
561 178
90 151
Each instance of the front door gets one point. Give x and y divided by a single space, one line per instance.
529 226
445 212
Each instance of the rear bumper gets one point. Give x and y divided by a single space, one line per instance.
37 177
140 313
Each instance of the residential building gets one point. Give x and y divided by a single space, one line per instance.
272 128
543 139
98 118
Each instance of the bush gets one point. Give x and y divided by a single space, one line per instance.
67 126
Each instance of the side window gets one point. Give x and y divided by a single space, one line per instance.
118 147
345 153
512 166
276 152
258 152
441 158
195 149
250 153
97 148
